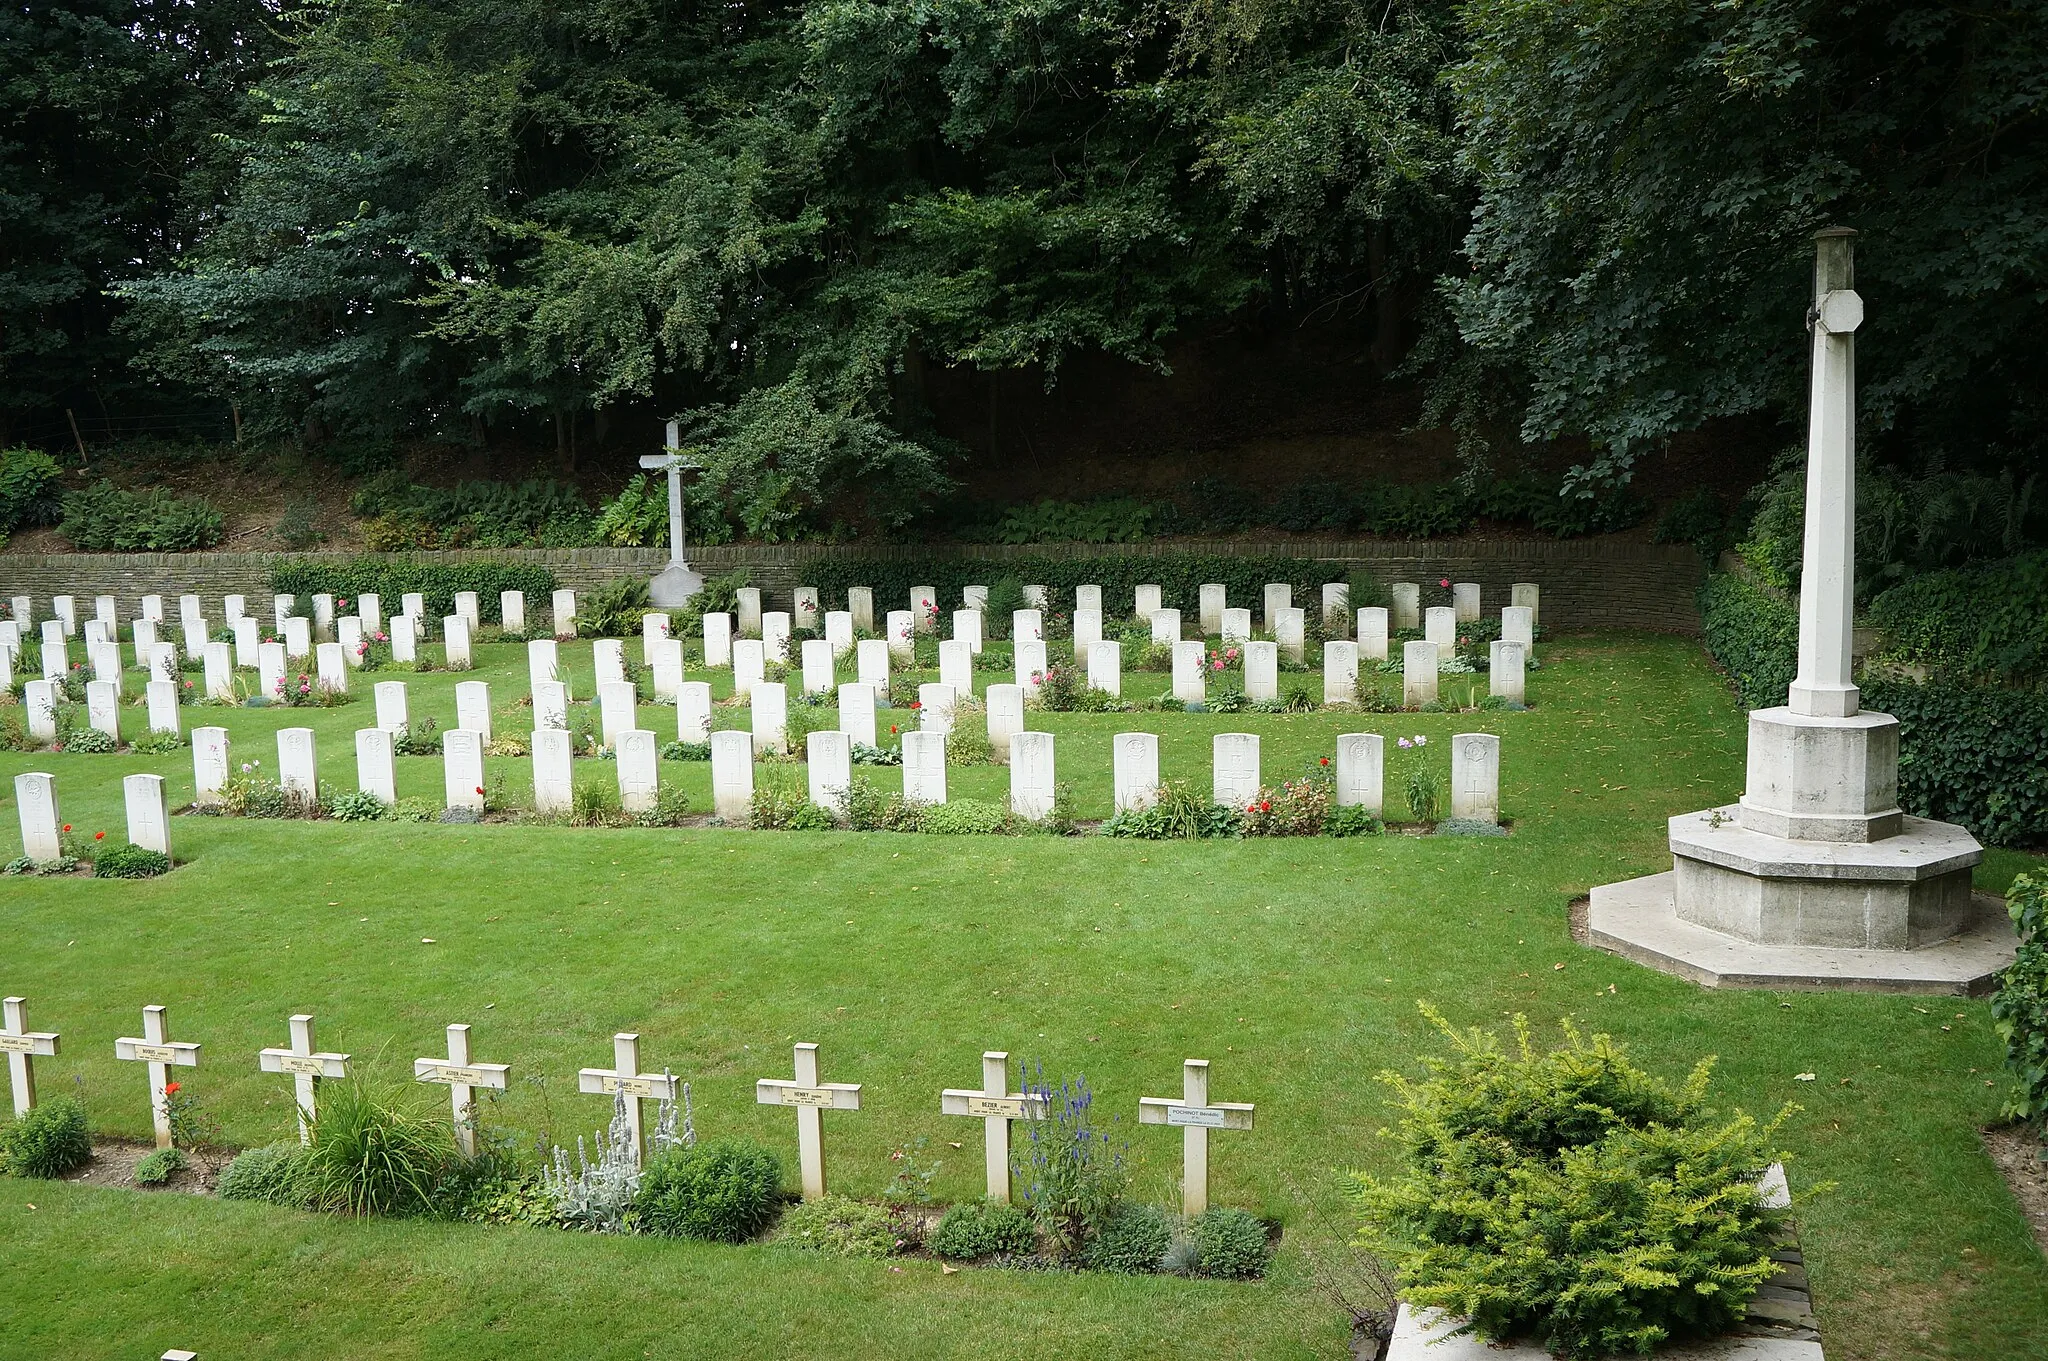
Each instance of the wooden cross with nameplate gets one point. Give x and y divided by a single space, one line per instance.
157 1049
462 1078
624 1076
1195 1116
23 1047
306 1068
997 1106
810 1097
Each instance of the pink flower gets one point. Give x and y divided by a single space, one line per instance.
1445 583
1406 743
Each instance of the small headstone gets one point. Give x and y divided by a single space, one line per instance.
331 667
1146 601
1236 627
564 607
7 655
1465 600
1505 671
747 604
770 707
1088 598
732 775
195 635
857 713
935 708
1518 625
967 629
66 611
163 662
1340 672
1027 625
1005 717
654 629
860 603
1190 671
23 610
1279 595
376 772
1475 777
1106 668
828 759
95 634
455 642
1134 762
1211 597
1372 633
145 640
106 663
1336 608
804 609
57 654
1196 1116
974 597
924 767
466 607
718 639
1407 602
1361 758
638 756
668 669
1528 596
209 763
1234 757
1029 658
270 669
39 697
554 782
617 702
871 662
811 1098
609 656
956 666
749 666
405 639
35 797
298 770
1033 782
349 633
1036 597
1440 626
189 606
323 614
512 611
298 637
839 632
775 636
550 706
162 699
819 673
103 707
161 1053
153 608
369 608
902 637
462 769
108 611
1261 670
1418 672
693 711
473 708
1166 626
1087 633
1290 633
392 713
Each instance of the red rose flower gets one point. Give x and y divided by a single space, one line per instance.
479 789
1444 582
1326 760
173 1088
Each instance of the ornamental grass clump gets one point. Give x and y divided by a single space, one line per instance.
376 1152
1570 1198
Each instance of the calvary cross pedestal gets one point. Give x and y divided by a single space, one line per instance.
676 583
1815 877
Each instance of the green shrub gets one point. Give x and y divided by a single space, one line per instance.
810 817
983 1228
129 862
1754 635
1697 518
276 1174
1130 1241
2020 1006
967 817
686 751
1353 820
29 488
89 741
1776 543
1425 794
838 1227
1987 621
156 742
494 1188
725 1191
612 610
376 1152
358 805
535 513
1970 754
104 518
1074 1176
637 516
391 578
49 1141
155 1169
1230 1244
1571 1198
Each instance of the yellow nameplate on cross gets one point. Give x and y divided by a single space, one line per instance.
154 1053
304 1065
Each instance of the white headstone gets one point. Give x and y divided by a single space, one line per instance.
1279 595
935 707
775 634
871 662
857 713
1340 672
828 758
95 634
298 637
1505 672
349 633
7 655
209 763
554 784
732 775
1190 671
1372 633
1360 764
1527 595
1235 760
1027 624
616 704
924 766
748 605
1029 656
550 706
1336 607
749 666
769 703
1465 600
455 642
1087 633
189 606
1262 670
668 669
39 697
66 611
332 667
108 611
1290 633
153 608
967 629
804 609
23 610
323 613
405 639
1440 626
103 707
195 635
1088 598
1033 781
1134 760
564 607
1211 598
35 794
369 608
1166 626
298 769
819 677
466 607
1146 601
860 603
956 666
609 656
1475 776
106 662
145 640
1236 627
56 653
376 772
163 662
637 755
1005 717
270 670
1106 668
1518 625
462 769
654 628
924 608
413 603
1418 672
149 817
902 630
693 711
1407 599
512 611
162 699
473 708
974 597
717 639
839 632
1036 597
543 663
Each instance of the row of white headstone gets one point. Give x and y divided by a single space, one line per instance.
323 623
994 1102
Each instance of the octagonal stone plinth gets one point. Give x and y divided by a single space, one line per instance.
1822 779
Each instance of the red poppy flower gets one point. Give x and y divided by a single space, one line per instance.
67 826
1265 808
479 789
99 836
892 727
1326 760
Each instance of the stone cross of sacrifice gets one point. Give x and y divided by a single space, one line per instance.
306 1068
1827 597
156 1049
23 1047
997 1106
675 465
810 1097
1196 1116
625 1076
462 1078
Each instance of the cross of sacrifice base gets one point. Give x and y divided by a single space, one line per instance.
1196 1117
997 1106
810 1097
462 1078
624 1076
156 1049
306 1068
676 582
23 1047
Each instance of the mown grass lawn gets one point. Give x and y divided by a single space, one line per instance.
1294 966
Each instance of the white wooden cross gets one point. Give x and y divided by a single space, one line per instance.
810 1097
306 1068
997 1106
463 1078
22 1047
625 1076
156 1049
1196 1117
674 464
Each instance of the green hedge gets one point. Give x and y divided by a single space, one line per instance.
1754 635
1987 621
1179 576
438 582
1970 754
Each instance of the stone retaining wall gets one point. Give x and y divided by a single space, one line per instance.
1587 583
